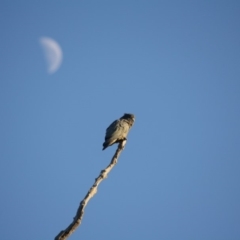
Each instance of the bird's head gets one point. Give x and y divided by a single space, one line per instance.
128 116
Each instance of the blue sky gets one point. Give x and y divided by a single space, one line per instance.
175 65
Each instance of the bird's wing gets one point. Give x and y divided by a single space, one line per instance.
111 129
118 129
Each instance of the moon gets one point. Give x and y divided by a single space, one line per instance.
52 52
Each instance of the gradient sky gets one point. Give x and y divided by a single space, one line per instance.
175 65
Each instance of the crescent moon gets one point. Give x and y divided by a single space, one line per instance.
52 52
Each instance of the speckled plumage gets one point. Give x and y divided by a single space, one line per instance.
118 130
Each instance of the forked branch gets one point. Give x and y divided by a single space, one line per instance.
64 234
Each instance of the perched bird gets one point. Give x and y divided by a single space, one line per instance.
118 130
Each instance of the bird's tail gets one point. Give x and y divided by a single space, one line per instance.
105 145
108 142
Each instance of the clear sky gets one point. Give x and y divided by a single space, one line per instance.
175 65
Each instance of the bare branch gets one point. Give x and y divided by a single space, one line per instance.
93 190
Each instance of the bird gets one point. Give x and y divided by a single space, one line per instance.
118 130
